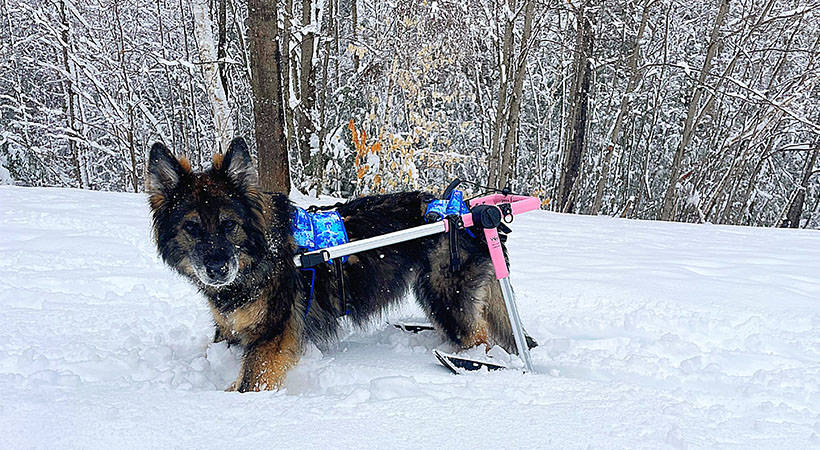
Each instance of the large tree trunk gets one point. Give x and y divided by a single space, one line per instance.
577 119
668 209
268 111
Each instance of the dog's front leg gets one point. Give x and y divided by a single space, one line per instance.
265 363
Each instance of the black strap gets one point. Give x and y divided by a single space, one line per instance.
455 224
449 191
347 307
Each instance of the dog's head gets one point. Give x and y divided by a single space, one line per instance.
208 224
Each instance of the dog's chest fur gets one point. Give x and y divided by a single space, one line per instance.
242 323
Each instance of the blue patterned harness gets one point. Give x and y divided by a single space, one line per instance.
439 209
315 230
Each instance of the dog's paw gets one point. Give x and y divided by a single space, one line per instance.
231 388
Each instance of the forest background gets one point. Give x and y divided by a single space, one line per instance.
656 109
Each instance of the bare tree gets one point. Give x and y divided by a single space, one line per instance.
512 67
795 207
519 69
78 156
511 91
577 117
626 100
669 200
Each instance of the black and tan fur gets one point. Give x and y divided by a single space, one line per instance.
233 241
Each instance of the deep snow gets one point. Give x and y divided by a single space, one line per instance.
653 335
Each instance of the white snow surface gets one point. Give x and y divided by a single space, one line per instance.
653 335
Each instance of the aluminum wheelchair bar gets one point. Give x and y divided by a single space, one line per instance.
309 259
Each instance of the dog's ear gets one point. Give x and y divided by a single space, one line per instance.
164 170
238 165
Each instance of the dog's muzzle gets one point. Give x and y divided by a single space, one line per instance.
217 269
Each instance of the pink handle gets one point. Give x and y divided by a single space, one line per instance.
520 204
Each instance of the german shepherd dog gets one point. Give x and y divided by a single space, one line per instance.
234 242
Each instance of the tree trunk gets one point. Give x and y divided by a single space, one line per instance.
507 161
792 219
668 208
287 88
577 119
129 100
196 153
77 157
504 66
354 19
626 100
222 43
268 112
645 189
208 54
307 81
320 157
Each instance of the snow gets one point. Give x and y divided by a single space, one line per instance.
653 335
5 176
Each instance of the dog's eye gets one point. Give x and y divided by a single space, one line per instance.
228 225
192 228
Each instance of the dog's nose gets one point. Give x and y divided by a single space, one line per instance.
216 265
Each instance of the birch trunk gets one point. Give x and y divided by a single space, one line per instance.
206 45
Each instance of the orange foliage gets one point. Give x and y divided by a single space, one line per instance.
395 160
362 149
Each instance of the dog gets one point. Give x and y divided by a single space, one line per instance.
234 242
